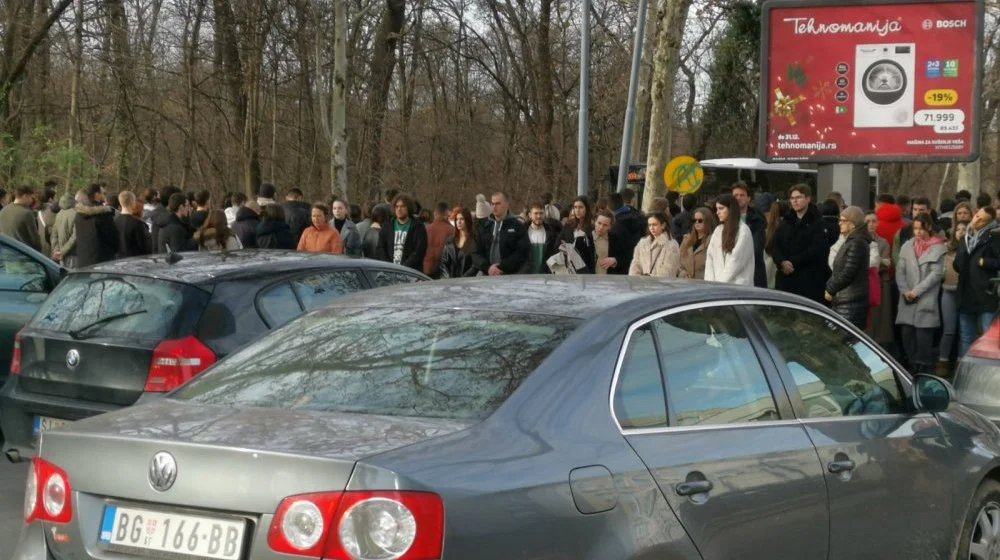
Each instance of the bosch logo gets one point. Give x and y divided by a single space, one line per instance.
928 25
951 24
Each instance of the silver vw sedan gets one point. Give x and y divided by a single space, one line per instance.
534 419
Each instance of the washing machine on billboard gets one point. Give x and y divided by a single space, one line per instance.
883 85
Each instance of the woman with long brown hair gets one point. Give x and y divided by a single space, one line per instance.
694 248
579 232
730 251
460 257
656 254
215 235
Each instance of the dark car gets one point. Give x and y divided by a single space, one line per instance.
113 332
540 418
26 278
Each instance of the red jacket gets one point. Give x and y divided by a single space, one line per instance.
890 220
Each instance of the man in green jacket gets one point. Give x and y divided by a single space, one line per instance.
18 220
64 230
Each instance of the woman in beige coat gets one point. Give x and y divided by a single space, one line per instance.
694 248
656 254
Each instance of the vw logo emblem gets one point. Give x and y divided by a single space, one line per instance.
72 359
162 471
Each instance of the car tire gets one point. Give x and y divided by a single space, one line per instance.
980 538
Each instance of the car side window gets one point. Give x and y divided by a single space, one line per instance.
278 305
21 273
712 373
383 278
316 290
837 374
639 400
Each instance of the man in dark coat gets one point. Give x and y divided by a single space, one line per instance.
159 212
758 228
297 213
247 222
800 249
680 224
404 238
96 234
133 236
175 233
977 262
503 240
543 240
629 226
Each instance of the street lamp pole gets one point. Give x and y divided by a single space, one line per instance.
633 85
583 140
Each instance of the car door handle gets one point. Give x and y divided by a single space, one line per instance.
838 467
694 487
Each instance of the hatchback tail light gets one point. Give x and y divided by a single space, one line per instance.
176 361
356 525
15 362
988 345
47 495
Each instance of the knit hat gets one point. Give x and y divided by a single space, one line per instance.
855 215
482 207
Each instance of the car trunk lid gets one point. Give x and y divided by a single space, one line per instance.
98 370
228 459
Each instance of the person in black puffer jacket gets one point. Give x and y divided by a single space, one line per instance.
847 288
273 232
245 227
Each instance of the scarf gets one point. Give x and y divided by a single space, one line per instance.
920 246
972 238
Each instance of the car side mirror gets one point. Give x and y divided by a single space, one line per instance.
931 394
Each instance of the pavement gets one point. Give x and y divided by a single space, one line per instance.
12 478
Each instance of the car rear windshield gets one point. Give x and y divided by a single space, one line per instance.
132 308
398 362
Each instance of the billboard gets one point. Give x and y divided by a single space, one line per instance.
860 82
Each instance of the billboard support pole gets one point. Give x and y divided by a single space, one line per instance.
849 179
583 137
633 85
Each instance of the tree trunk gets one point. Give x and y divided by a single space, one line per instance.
122 71
546 97
969 178
382 66
670 15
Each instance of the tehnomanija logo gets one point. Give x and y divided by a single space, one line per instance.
808 26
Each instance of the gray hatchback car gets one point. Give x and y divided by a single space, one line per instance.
534 418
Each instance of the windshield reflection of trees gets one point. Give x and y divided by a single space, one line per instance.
386 361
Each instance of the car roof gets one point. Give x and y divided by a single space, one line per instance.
209 267
574 296
25 248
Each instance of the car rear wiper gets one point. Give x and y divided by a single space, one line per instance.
75 333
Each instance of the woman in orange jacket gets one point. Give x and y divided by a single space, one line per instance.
320 237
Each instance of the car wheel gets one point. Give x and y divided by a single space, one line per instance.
981 531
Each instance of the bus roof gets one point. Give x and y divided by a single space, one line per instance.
755 164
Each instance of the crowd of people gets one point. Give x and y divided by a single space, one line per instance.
919 280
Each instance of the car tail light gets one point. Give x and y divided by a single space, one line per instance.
376 525
47 495
15 362
988 345
176 361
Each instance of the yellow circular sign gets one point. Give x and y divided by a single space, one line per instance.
683 174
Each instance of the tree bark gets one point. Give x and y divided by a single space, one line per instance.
645 71
671 15
382 66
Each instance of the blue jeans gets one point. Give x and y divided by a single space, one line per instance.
970 326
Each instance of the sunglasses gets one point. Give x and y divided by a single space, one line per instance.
699 221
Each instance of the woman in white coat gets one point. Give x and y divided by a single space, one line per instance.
730 253
656 254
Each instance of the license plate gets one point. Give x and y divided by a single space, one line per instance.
159 534
46 423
